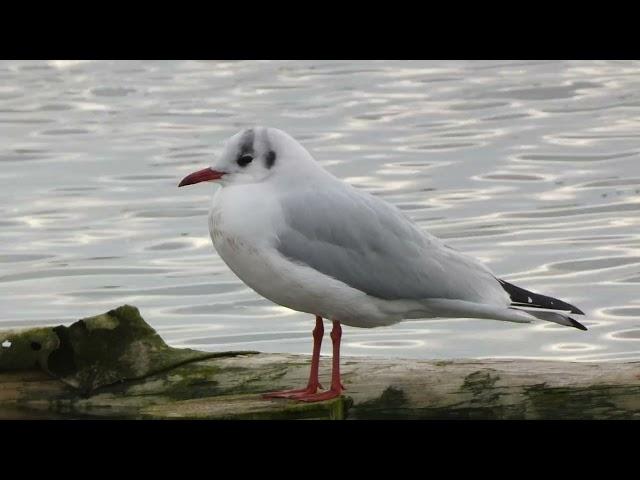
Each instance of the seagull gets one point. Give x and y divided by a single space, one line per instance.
307 240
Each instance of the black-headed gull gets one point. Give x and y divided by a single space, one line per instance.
306 240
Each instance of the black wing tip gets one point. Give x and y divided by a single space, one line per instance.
577 325
524 297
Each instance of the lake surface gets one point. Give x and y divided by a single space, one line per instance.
533 167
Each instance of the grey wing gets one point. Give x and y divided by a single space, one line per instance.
372 246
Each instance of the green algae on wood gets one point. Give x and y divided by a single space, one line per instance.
114 365
112 347
96 351
213 388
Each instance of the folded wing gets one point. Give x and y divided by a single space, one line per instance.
372 246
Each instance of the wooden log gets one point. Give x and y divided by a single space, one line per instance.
229 385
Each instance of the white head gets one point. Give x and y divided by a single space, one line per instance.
255 155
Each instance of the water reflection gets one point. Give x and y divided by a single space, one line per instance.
531 166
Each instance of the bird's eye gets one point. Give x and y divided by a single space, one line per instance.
245 160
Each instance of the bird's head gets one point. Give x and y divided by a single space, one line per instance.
252 156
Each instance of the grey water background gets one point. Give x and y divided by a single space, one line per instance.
533 167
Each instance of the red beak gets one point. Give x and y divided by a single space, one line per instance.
204 175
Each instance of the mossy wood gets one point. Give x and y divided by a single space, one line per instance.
116 366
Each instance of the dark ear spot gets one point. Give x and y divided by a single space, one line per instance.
271 158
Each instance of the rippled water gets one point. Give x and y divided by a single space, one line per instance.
533 167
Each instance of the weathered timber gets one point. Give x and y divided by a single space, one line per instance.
116 366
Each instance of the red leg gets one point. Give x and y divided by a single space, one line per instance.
336 383
314 383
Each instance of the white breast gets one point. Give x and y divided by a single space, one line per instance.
243 223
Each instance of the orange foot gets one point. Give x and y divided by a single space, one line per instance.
294 394
320 397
